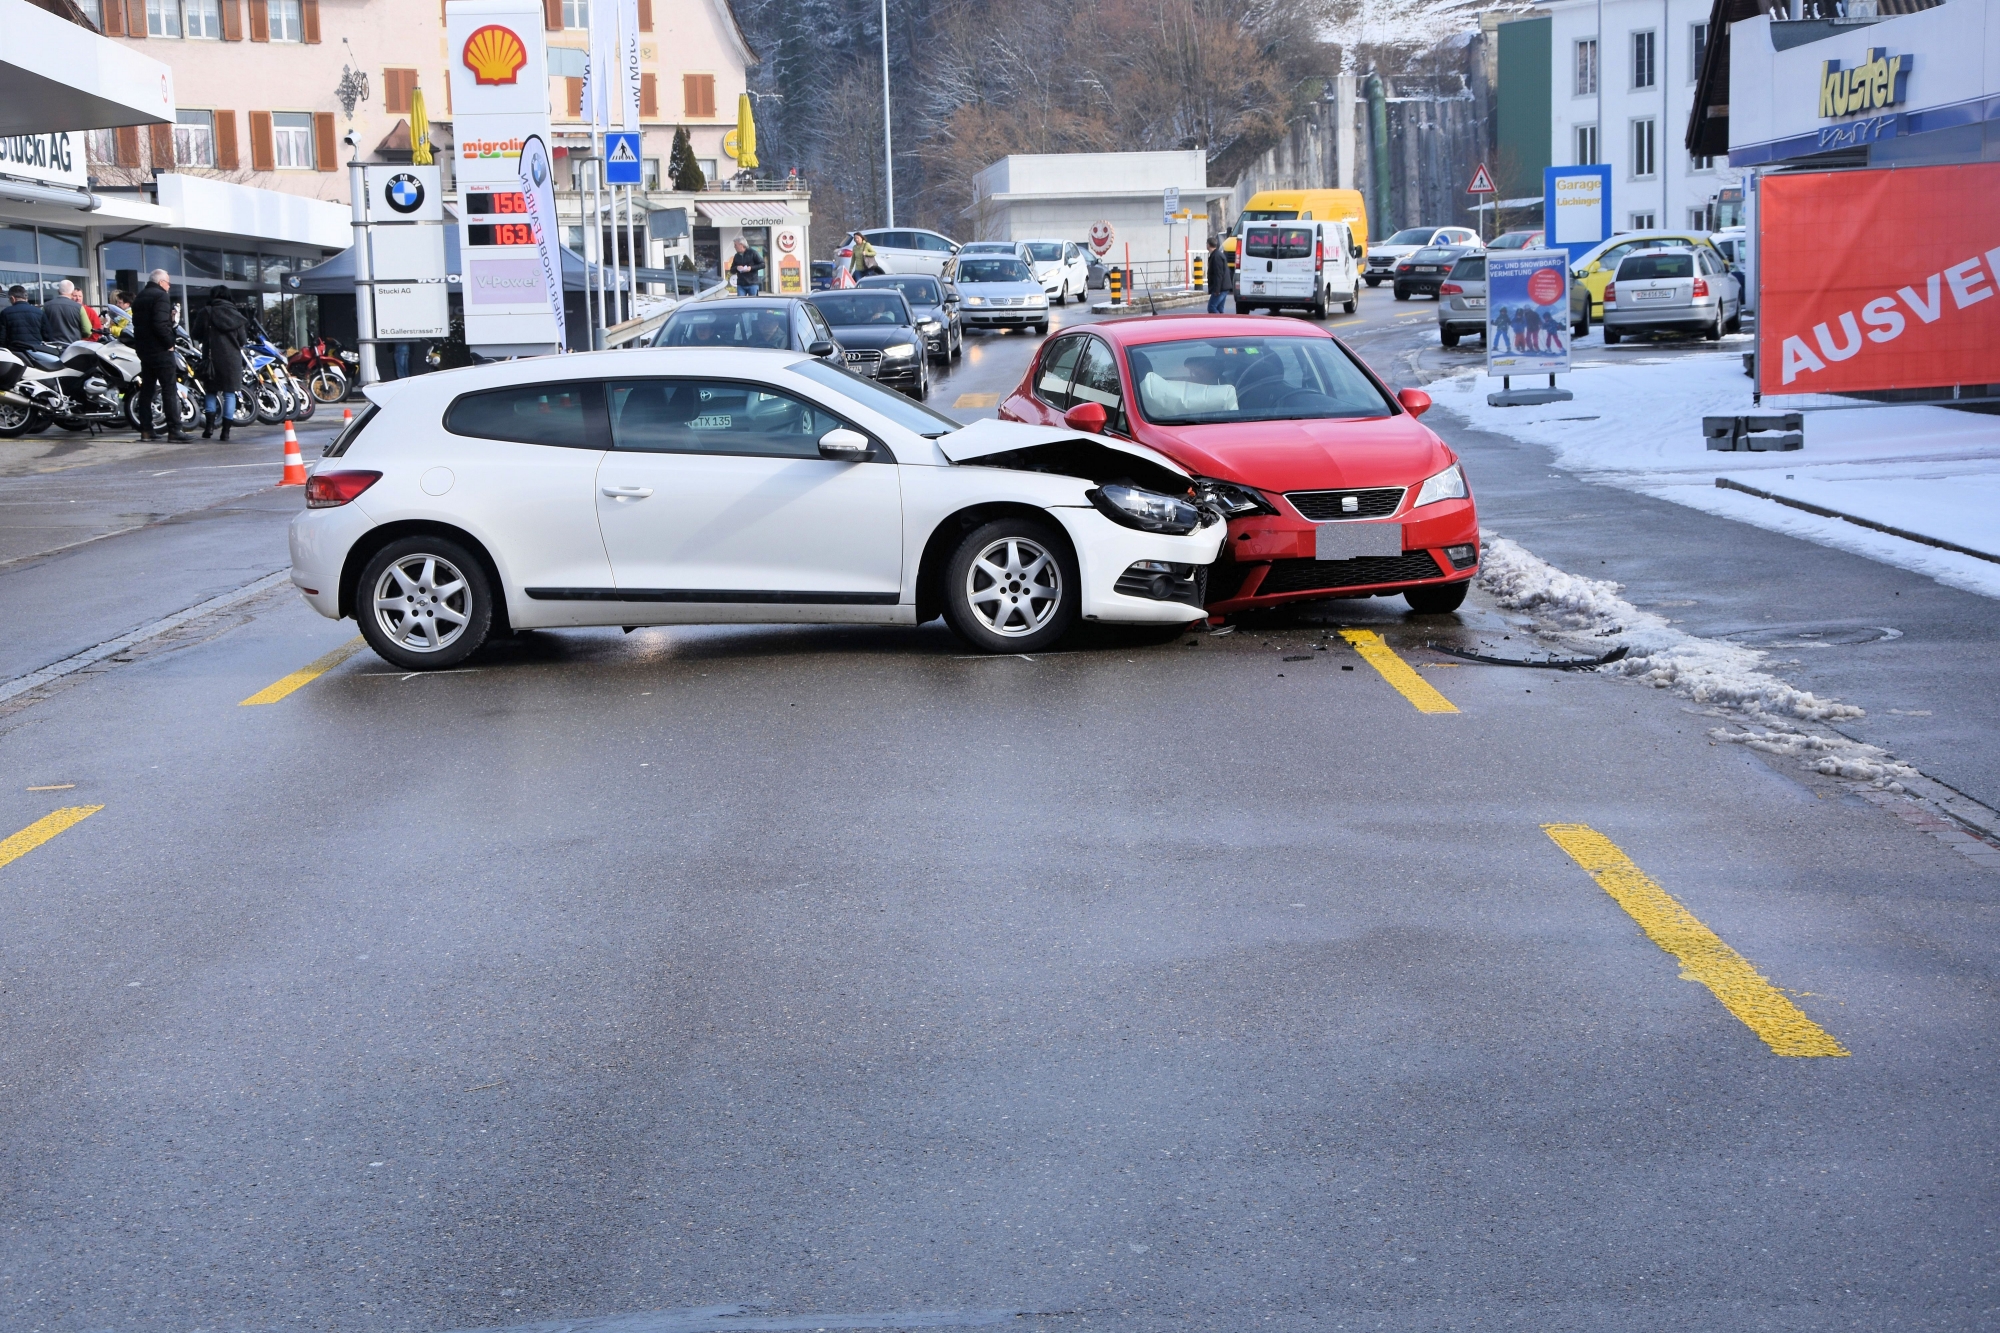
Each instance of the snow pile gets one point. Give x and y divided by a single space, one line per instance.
1405 22
1712 672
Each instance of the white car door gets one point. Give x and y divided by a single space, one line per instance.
1075 269
714 492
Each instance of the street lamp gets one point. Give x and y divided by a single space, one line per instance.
888 150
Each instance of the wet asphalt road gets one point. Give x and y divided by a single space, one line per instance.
840 979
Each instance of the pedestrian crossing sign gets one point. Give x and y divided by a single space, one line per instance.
621 159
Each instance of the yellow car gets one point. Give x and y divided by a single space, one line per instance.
1597 266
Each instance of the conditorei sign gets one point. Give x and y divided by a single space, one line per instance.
1879 279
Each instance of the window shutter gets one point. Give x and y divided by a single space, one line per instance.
649 96
309 20
326 149
162 145
225 141
573 98
125 142
396 86
645 15
698 94
263 153
260 21
135 17
232 20
552 15
114 18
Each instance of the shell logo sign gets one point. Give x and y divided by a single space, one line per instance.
495 54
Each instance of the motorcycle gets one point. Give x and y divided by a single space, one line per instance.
322 366
76 386
276 393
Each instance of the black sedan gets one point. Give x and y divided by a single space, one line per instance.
935 303
1422 273
878 332
785 323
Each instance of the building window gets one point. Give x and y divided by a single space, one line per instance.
1645 73
1701 164
1699 220
1642 148
1586 145
194 139
1642 222
707 165
94 11
287 24
1586 68
292 136
203 18
101 148
576 13
698 95
1697 48
650 168
163 18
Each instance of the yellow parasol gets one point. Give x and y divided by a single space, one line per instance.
746 133
420 130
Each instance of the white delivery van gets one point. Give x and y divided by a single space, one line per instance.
1305 265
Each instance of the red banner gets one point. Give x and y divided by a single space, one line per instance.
1879 279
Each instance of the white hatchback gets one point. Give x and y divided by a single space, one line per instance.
1059 266
674 486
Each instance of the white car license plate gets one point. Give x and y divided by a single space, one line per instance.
1475 303
1345 541
1666 295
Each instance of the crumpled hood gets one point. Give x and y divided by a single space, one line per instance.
1307 455
987 437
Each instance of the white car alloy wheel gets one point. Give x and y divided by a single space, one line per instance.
1014 587
422 603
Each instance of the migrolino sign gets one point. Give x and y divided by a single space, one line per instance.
1881 80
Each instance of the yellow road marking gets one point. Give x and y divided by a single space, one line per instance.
39 832
1397 672
978 400
305 675
54 786
1727 973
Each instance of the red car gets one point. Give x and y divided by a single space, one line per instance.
1332 487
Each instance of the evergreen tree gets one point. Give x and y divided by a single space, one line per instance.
682 169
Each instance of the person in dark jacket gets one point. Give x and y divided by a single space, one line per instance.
153 339
20 323
220 329
1218 275
62 315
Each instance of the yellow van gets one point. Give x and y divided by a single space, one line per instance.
1304 206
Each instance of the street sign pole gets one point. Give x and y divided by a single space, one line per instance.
1482 183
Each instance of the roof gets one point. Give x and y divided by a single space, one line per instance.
1133 330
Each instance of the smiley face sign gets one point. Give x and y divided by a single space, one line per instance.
1102 234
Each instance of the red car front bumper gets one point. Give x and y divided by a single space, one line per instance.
1270 560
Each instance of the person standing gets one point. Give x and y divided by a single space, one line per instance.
220 328
62 315
20 323
747 268
1218 275
153 339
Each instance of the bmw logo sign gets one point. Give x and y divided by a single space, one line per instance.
404 192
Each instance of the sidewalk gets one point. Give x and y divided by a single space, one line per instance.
1927 471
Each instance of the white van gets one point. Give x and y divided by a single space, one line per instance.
1307 265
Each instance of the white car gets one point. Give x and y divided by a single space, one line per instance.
1306 266
1060 267
1382 257
910 250
674 486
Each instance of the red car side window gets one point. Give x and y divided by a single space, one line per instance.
1053 377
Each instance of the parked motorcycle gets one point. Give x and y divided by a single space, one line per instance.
275 392
76 386
322 365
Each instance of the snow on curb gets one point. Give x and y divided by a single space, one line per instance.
1711 672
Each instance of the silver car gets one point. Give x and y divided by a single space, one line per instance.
1000 291
1462 302
1684 290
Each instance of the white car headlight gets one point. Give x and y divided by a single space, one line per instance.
1446 485
975 300
1149 511
1040 300
899 351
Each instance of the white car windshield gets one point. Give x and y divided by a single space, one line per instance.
902 410
1206 380
1412 236
1044 252
993 270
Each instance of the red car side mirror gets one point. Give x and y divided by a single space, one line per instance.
1092 417
1415 401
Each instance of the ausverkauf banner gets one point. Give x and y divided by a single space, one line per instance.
1879 279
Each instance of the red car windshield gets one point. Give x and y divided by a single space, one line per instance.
1200 381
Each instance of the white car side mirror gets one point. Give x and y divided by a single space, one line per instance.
844 445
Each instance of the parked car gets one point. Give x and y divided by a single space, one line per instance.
1422 272
1332 486
1597 265
1098 269
1059 267
1733 244
1516 240
788 323
999 292
908 250
1462 302
1688 291
675 486
1383 258
935 303
878 332
822 275
1306 266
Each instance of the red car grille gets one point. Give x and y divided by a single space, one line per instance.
1327 506
1312 575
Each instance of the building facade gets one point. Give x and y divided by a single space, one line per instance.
1109 201
1618 94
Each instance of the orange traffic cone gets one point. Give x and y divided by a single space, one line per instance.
346 415
295 463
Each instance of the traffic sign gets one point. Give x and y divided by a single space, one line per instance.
621 159
1482 181
1170 202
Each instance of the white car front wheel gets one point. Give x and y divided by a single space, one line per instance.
1011 587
